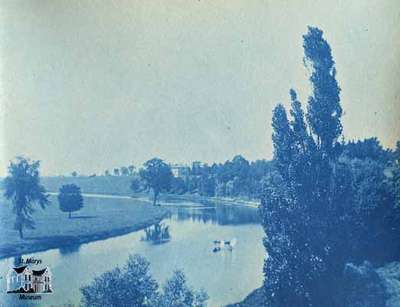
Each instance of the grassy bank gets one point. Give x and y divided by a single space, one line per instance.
120 185
100 218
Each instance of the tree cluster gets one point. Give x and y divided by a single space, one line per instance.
121 171
133 285
234 178
327 203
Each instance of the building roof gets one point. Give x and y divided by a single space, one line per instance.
38 273
20 269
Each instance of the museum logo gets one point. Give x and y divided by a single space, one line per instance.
23 279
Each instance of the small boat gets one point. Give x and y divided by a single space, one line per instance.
222 244
216 249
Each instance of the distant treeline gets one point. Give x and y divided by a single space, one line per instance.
242 178
234 178
93 185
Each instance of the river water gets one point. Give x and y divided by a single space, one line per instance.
227 276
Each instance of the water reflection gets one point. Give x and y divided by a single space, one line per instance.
193 228
216 214
69 249
157 234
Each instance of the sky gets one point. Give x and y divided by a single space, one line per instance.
91 85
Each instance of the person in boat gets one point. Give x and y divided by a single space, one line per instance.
216 249
220 244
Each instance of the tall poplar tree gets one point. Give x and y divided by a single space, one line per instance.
282 138
298 202
298 124
324 110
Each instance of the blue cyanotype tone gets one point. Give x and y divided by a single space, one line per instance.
200 153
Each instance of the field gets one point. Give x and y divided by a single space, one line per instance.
100 218
112 185
120 185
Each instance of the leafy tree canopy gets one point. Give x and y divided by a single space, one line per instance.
22 186
326 204
133 285
324 111
130 286
157 175
70 198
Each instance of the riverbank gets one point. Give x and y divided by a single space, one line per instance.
99 219
171 198
120 186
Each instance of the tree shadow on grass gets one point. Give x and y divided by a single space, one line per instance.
47 239
84 217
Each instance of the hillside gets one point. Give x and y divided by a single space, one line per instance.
113 185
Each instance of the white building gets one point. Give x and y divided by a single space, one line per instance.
41 281
179 170
18 278
24 279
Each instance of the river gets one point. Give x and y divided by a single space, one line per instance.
227 276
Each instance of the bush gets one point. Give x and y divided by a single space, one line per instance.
159 233
134 286
364 286
131 286
176 293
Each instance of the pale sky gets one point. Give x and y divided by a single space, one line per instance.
92 85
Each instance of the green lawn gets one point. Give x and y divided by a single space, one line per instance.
99 218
